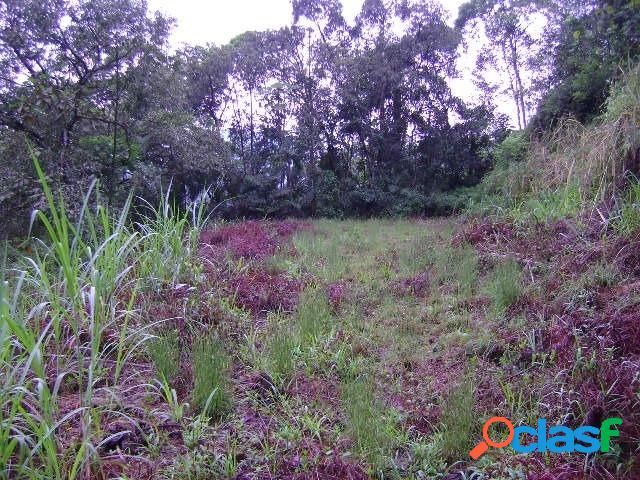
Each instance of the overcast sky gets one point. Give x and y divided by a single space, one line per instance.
218 21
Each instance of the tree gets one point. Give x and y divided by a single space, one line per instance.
585 47
507 25
62 65
319 117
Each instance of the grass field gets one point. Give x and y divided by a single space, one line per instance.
320 349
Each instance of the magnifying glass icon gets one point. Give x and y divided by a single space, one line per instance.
482 447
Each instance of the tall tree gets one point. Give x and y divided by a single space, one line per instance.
507 25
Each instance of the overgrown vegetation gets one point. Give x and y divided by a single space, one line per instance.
144 338
350 118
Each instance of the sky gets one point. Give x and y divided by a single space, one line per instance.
218 21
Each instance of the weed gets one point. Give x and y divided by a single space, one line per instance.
505 285
177 409
196 432
210 394
459 421
519 401
197 465
427 456
556 204
605 274
165 353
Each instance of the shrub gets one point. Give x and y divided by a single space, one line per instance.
408 202
512 149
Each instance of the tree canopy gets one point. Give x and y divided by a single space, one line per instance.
321 117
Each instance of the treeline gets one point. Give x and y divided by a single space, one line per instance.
323 117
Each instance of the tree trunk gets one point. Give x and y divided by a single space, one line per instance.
519 87
512 87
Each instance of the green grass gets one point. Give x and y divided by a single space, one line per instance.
165 352
313 315
628 219
417 255
280 354
211 389
68 310
459 422
457 267
368 424
505 285
364 381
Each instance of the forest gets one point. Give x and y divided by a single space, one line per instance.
319 118
309 253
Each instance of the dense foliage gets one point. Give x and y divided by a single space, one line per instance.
324 117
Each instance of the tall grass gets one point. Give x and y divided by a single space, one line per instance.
68 327
368 424
314 315
575 167
280 354
457 266
459 421
628 218
165 352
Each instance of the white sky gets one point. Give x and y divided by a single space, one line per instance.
218 21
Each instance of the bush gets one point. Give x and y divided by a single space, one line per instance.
408 202
512 149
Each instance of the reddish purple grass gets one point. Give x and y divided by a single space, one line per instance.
573 381
595 350
259 291
336 293
418 285
247 239
256 289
